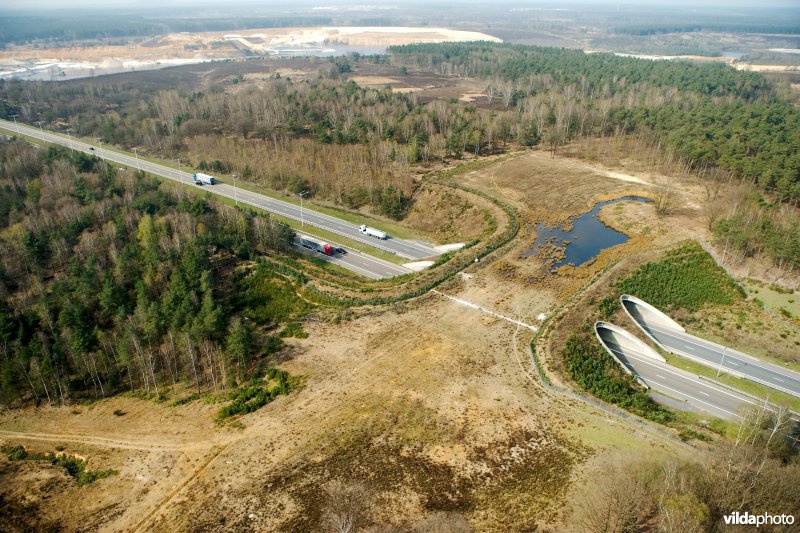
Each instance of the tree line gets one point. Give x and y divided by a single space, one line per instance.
344 143
709 114
360 147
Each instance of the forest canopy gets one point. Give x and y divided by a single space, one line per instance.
709 114
364 147
111 281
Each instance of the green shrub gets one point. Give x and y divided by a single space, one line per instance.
75 467
257 393
294 329
686 278
608 306
688 434
595 372
267 298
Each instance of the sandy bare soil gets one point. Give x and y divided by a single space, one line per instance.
274 38
431 407
182 48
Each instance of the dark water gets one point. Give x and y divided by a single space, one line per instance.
585 239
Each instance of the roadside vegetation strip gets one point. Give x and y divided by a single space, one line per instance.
738 384
366 246
592 368
459 261
795 414
595 376
685 277
538 365
354 217
603 406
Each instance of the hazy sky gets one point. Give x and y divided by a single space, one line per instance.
62 5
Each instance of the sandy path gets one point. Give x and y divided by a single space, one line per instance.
93 441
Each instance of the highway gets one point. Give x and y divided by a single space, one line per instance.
678 342
404 248
680 385
360 263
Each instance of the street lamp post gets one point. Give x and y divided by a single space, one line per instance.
16 125
235 194
180 174
100 140
722 360
69 138
41 130
138 166
302 222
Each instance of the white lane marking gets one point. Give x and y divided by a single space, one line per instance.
329 259
729 357
691 378
377 262
695 399
169 173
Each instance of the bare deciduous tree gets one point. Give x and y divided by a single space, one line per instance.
624 502
348 506
666 200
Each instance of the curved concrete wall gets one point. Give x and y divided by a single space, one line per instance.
629 341
597 326
653 314
625 341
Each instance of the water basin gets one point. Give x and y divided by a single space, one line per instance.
583 238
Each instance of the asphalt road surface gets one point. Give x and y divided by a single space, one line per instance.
360 263
713 355
682 386
404 248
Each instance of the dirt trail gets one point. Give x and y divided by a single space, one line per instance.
92 441
146 522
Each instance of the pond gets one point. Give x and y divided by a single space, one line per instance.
583 237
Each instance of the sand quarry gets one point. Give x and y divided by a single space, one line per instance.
186 48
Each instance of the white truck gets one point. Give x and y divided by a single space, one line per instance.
200 178
372 232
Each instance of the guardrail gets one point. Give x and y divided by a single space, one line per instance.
795 416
